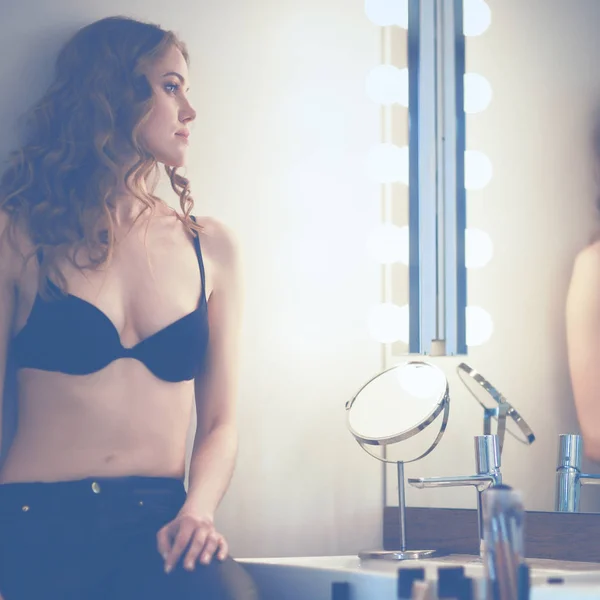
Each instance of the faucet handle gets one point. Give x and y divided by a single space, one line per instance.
487 453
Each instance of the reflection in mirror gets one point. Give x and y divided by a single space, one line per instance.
569 477
531 117
392 407
495 406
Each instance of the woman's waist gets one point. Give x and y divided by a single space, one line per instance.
95 423
70 435
73 458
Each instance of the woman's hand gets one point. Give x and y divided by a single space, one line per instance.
196 530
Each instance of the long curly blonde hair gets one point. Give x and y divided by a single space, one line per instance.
57 185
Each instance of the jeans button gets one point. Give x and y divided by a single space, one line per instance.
96 487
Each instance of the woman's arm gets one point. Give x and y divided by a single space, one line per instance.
215 443
583 345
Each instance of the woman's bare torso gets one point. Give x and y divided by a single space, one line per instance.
121 420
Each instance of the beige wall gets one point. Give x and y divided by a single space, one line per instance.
279 146
541 58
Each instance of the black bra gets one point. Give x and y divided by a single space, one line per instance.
72 336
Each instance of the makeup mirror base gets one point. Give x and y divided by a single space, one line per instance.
397 554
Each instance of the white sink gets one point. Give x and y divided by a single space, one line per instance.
311 577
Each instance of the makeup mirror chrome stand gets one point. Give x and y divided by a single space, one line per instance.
438 403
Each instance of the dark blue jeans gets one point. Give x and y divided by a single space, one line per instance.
95 538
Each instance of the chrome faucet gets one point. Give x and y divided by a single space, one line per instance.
569 477
487 460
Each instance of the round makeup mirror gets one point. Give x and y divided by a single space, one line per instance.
394 406
495 408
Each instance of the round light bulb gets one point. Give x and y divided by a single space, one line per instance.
389 323
478 170
480 326
388 85
387 12
387 163
477 17
387 244
478 93
479 248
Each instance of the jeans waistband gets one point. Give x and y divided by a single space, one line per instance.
89 488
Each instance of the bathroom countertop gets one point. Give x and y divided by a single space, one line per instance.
377 578
351 562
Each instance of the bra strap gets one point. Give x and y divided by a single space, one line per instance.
200 261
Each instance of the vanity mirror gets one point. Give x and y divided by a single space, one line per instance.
531 184
395 406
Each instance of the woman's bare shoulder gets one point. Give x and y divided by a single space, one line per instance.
583 294
217 239
587 262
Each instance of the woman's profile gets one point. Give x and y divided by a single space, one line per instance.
118 316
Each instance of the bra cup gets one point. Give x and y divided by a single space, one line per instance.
175 354
74 337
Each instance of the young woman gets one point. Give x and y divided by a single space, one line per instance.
117 314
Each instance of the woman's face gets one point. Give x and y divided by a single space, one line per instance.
172 112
